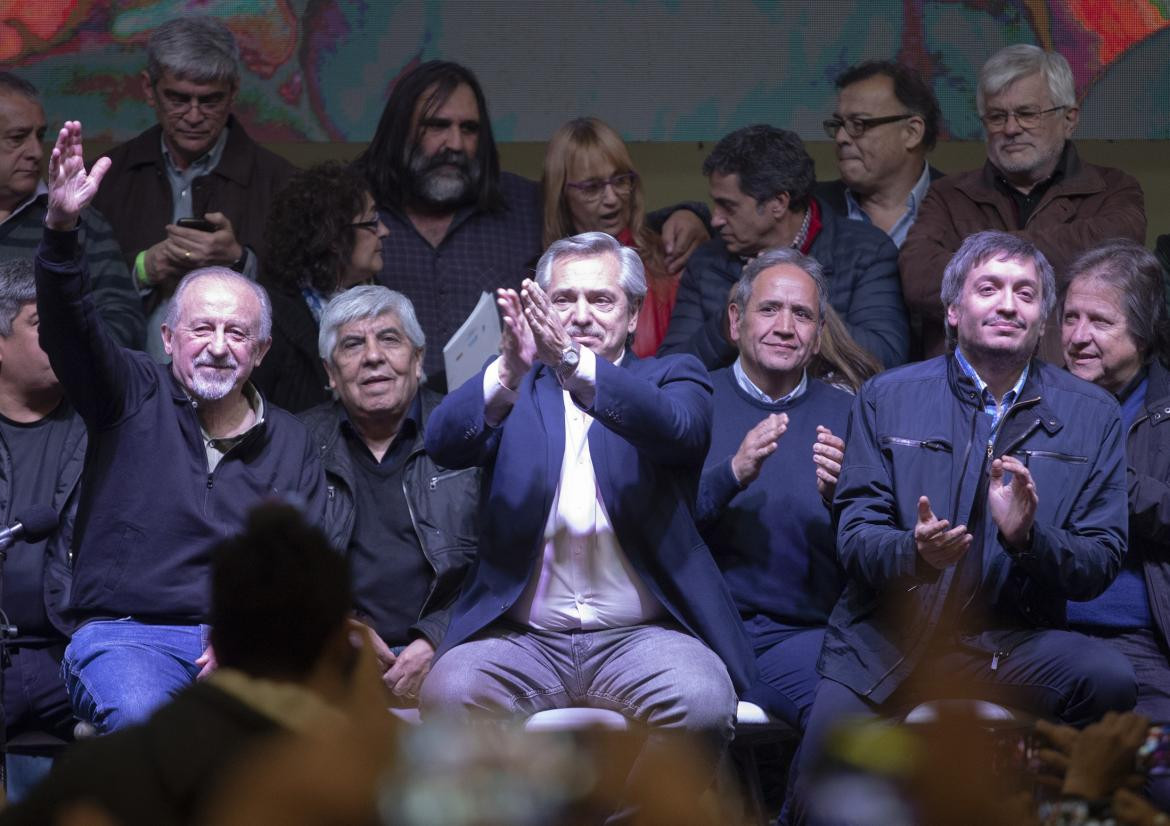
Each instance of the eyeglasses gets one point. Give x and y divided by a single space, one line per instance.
594 188
371 225
176 104
855 127
997 119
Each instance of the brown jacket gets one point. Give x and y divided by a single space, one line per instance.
135 195
1090 204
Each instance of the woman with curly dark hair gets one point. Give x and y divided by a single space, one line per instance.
323 236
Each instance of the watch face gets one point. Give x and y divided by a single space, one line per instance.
570 357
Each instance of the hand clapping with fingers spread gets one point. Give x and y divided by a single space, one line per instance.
548 332
939 546
757 445
828 454
1013 504
517 346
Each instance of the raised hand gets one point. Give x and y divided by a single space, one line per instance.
517 347
1012 504
939 544
548 332
681 235
828 454
759 443
71 188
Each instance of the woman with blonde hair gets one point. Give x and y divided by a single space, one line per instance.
590 185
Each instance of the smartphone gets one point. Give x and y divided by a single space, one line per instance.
201 224
1153 756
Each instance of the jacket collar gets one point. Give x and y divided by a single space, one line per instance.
1079 179
1158 393
237 163
1031 396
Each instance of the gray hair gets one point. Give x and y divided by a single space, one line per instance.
228 276
1012 63
199 49
977 250
18 286
1137 276
631 272
16 85
360 303
775 257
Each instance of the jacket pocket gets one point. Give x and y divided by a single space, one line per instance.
919 467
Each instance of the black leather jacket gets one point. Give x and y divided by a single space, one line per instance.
443 506
1148 480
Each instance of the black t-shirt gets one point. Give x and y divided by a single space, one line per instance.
37 450
391 577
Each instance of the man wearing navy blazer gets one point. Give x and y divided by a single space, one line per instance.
592 586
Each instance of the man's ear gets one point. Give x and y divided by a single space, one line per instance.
261 351
733 317
914 129
168 340
148 89
777 207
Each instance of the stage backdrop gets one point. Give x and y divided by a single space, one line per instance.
659 70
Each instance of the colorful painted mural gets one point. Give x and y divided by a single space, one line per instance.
319 70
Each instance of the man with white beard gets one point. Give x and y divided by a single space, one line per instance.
178 455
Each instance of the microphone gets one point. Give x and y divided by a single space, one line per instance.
37 522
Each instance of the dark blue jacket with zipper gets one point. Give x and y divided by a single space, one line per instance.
922 430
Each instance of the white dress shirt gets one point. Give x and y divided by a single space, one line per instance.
583 579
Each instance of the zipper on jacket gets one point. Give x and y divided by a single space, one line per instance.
929 444
997 656
434 483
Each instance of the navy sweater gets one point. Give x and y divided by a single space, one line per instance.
773 540
150 510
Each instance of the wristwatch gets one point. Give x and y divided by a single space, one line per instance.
570 358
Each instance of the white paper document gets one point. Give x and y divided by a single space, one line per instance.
473 343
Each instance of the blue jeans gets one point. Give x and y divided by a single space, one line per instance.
118 672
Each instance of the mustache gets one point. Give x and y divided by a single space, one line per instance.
999 319
447 157
228 361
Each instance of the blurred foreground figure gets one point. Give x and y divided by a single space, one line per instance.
289 662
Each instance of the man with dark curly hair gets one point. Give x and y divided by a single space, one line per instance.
762 181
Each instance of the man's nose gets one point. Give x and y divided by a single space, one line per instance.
218 345
371 352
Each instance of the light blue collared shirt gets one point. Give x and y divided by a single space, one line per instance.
994 409
181 179
898 231
748 386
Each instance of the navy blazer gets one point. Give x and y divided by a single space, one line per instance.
651 434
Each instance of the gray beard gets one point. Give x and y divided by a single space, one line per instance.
435 186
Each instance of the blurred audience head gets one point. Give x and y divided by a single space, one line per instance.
280 596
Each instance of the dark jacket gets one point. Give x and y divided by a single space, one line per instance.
57 564
150 511
292 375
1090 204
861 268
164 772
650 433
919 430
443 504
1148 478
136 199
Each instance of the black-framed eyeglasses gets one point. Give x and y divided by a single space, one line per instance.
371 225
594 188
855 127
997 119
